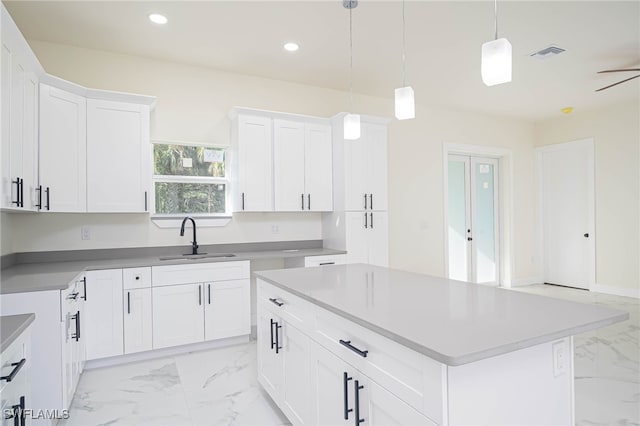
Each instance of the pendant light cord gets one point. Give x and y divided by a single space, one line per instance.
495 15
350 61
404 66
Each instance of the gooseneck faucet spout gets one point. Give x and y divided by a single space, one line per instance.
195 241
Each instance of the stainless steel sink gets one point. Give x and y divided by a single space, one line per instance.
198 256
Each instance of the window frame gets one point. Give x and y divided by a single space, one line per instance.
170 218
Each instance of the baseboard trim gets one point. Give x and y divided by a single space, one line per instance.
616 291
525 281
164 352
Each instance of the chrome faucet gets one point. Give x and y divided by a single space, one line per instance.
194 242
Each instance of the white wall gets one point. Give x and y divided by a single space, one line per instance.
193 104
616 134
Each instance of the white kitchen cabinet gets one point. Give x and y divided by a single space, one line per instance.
227 309
178 315
74 337
252 163
118 144
63 150
15 361
384 408
138 320
366 237
19 85
302 166
104 317
270 366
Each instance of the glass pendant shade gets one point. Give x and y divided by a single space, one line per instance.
352 126
405 103
496 62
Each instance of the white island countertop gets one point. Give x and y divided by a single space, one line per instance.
450 321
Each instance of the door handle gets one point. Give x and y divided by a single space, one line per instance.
345 383
39 190
76 317
365 220
301 201
276 302
371 201
200 295
356 390
347 343
278 347
243 201
365 201
209 292
128 302
308 201
145 201
272 341
16 367
84 285
17 182
586 235
48 193
371 225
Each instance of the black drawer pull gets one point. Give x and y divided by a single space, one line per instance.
356 389
275 301
278 347
73 296
17 366
347 343
39 189
48 193
272 341
345 383
77 318
327 263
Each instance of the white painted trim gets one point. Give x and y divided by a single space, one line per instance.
589 143
520 282
505 211
277 114
203 221
164 352
616 291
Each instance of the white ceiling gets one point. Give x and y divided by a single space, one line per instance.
443 45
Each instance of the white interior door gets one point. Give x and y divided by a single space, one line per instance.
566 184
473 231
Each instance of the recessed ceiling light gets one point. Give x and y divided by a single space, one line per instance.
156 18
291 47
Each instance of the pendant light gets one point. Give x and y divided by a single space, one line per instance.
351 121
496 57
405 101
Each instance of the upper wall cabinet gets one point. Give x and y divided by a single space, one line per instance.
302 166
118 172
252 163
19 92
63 150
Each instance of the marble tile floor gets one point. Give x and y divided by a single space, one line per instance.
219 387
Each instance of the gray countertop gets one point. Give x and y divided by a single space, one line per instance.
45 276
450 321
11 327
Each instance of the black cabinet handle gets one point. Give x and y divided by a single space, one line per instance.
301 201
21 192
48 193
371 225
209 292
200 295
272 341
308 201
365 201
73 296
84 285
77 318
17 182
345 383
276 302
365 221
16 367
145 201
128 302
356 390
243 201
278 347
586 235
347 343
39 190
19 418
371 201
327 263
469 239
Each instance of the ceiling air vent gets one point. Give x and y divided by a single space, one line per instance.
548 52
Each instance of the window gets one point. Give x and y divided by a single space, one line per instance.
189 179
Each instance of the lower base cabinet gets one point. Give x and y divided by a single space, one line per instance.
137 320
178 315
226 309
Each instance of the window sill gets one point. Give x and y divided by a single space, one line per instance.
202 221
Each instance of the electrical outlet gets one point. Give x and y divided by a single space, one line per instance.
560 354
275 229
86 233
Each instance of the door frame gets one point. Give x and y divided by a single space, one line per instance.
505 203
589 144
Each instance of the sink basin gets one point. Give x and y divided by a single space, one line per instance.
198 256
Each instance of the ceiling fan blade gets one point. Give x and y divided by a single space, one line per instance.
620 70
620 82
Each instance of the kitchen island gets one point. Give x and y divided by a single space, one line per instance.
359 344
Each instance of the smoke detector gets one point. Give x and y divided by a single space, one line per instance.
548 52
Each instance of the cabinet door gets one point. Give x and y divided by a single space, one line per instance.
18 75
384 408
296 392
357 236
103 305
30 141
63 150
118 171
355 157
318 168
289 166
375 136
137 320
227 309
178 315
378 238
255 164
270 363
8 194
332 392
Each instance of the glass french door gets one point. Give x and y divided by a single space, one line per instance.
473 219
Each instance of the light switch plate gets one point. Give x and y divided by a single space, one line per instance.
560 361
86 233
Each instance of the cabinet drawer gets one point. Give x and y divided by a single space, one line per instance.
413 377
334 259
199 272
136 278
11 361
290 308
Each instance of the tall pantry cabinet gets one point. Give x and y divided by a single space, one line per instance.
359 222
